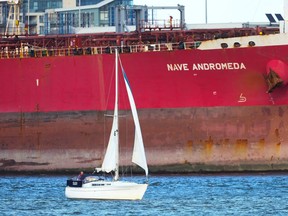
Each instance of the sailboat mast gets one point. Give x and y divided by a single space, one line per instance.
116 177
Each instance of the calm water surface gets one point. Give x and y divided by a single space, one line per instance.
166 195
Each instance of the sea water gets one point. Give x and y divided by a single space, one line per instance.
257 194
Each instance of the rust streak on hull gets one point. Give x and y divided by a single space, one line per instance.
196 139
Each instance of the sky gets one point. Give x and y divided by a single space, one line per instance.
218 11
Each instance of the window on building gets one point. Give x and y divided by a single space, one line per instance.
35 6
1 14
41 19
104 15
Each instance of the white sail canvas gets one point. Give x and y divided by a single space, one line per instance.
138 156
115 189
110 162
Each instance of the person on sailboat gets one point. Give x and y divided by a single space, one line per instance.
80 176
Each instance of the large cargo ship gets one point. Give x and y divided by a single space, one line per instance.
208 100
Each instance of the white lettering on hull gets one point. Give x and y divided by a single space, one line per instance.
219 66
177 67
242 98
207 66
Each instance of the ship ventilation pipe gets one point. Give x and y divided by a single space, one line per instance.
277 74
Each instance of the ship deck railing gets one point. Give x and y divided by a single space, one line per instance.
32 52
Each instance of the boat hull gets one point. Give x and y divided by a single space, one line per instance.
200 110
107 191
207 139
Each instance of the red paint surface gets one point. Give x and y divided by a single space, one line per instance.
187 116
87 82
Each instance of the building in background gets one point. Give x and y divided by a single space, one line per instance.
86 14
60 16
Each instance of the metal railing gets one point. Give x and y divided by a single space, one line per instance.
26 52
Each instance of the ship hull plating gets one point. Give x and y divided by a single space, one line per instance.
203 110
192 139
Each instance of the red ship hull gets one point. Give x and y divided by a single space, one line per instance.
200 109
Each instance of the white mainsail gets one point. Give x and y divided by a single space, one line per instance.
111 159
110 162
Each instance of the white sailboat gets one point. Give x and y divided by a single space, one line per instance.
96 188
